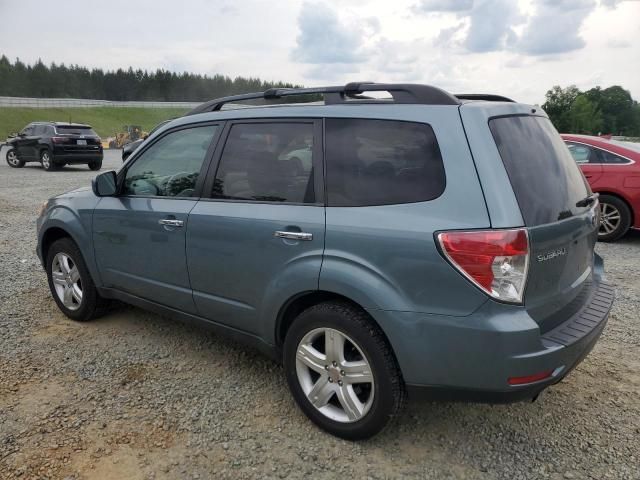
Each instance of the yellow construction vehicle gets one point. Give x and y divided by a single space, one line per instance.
130 133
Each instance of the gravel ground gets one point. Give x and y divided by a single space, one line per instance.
134 395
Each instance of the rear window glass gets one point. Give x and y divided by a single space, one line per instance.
381 162
69 130
544 176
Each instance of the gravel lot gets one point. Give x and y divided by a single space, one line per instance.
135 395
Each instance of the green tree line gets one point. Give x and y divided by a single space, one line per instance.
18 79
610 110
596 111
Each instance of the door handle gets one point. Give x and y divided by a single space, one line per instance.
171 223
293 235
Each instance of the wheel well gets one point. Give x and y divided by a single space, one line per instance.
50 236
298 304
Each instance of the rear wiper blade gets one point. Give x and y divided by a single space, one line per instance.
586 201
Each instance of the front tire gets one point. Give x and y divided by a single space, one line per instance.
615 218
341 371
70 282
13 160
96 165
46 159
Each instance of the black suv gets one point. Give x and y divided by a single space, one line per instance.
55 144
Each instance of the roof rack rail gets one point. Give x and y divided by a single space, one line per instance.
401 92
483 96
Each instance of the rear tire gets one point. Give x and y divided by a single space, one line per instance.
97 165
46 159
615 218
356 386
70 283
13 160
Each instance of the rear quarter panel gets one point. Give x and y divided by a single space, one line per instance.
385 257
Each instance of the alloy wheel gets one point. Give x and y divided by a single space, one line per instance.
12 158
610 219
66 280
46 160
335 375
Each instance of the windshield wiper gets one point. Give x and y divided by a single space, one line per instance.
586 201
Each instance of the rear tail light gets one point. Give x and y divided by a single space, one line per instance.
60 139
496 261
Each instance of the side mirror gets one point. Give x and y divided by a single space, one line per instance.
22 134
105 184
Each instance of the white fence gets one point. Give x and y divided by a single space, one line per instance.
83 103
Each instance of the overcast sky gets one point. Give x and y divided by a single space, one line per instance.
518 48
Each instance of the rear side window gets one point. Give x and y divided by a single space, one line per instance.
40 130
267 162
545 178
581 153
71 130
611 158
381 162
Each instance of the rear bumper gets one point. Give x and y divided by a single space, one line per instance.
472 358
61 155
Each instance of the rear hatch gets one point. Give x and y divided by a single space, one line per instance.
550 192
77 138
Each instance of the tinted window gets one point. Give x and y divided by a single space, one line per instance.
269 162
39 130
381 162
171 166
545 178
28 130
71 130
608 157
581 153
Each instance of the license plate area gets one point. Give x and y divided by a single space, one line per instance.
81 142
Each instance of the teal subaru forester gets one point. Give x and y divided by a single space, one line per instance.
419 242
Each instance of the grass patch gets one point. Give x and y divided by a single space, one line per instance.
106 121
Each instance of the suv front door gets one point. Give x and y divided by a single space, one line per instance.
259 238
139 235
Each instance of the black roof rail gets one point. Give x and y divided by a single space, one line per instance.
401 92
483 96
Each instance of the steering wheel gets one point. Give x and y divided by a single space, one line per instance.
173 179
141 186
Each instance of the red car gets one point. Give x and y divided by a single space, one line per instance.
612 168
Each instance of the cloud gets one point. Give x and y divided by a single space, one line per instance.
555 27
325 39
427 6
491 25
447 36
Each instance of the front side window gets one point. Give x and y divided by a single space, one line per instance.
171 166
269 162
381 162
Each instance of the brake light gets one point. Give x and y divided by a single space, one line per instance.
60 139
496 261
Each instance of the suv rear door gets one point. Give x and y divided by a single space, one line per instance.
521 156
259 237
26 143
